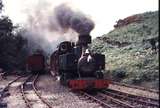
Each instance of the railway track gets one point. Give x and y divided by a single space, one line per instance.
8 85
135 87
116 99
33 80
137 101
5 91
106 101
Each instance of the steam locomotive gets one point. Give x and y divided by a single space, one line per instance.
77 67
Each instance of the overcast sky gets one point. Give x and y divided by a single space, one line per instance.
103 12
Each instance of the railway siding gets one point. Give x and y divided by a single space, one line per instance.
134 90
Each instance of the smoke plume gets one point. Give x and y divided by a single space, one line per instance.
77 21
48 25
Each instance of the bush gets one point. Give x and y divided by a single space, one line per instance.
119 74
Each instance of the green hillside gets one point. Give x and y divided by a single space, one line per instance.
129 51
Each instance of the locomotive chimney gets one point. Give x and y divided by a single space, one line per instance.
84 40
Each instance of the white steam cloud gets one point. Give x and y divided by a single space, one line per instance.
47 27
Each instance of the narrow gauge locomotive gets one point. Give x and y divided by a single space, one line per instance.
36 63
77 67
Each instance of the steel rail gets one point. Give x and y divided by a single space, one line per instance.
36 91
95 99
23 94
117 101
126 96
131 95
7 86
135 87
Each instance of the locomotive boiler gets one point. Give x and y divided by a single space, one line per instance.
77 67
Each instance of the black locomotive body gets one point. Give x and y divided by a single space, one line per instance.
78 67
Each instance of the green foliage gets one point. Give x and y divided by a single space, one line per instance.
1 5
12 49
118 74
136 62
136 32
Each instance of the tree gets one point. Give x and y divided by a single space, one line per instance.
1 5
12 45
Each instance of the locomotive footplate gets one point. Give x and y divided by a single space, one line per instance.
88 83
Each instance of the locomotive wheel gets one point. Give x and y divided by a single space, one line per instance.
99 75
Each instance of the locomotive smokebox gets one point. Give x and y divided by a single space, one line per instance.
84 40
